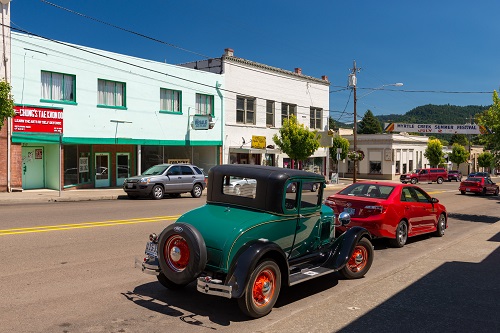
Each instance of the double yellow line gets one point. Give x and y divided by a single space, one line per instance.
83 225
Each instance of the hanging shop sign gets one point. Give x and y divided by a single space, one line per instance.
37 119
436 128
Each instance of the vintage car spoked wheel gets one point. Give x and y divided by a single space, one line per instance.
196 191
157 192
401 235
360 261
262 290
182 253
441 226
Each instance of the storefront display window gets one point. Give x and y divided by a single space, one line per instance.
376 167
76 164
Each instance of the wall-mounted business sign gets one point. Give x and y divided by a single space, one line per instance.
37 119
258 141
436 128
202 122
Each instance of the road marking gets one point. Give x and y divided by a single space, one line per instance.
83 225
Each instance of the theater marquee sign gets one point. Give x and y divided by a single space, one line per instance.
35 119
436 128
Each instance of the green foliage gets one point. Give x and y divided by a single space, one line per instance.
486 160
6 102
369 124
434 152
296 140
339 142
331 123
460 139
491 119
458 154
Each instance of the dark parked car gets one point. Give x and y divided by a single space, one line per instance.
455 175
390 210
478 185
479 174
162 179
247 246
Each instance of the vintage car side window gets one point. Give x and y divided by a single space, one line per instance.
291 195
240 187
309 197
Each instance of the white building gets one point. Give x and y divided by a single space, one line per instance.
387 156
257 98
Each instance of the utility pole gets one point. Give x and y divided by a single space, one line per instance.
470 157
352 83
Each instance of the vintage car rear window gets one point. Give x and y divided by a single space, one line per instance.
240 187
368 190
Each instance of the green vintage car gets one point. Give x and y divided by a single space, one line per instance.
246 244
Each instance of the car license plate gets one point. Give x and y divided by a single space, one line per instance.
151 249
130 185
350 211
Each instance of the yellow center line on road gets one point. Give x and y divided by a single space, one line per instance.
85 225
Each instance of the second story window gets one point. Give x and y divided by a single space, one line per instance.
111 93
270 113
58 87
170 100
288 110
315 118
204 104
245 110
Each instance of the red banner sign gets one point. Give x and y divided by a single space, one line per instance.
37 119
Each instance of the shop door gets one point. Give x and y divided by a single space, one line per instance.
102 170
33 175
122 168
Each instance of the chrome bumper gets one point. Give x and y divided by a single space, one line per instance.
150 266
209 286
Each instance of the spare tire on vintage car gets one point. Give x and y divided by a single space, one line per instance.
182 253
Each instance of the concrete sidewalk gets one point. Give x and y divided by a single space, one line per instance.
46 195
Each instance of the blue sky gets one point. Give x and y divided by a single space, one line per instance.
448 49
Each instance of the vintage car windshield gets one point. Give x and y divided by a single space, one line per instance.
368 190
156 170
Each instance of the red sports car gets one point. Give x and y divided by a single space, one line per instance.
478 185
390 210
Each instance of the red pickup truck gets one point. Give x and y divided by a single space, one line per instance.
426 175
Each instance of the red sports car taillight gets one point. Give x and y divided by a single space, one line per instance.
371 210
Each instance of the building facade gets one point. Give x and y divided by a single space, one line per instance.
386 156
91 118
257 98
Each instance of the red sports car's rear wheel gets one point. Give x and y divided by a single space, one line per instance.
360 261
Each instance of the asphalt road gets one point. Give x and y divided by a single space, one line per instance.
69 267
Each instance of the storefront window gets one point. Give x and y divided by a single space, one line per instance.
398 165
76 164
376 167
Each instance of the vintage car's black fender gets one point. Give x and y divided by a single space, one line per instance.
246 260
343 247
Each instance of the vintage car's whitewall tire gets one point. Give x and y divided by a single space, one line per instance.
401 235
182 253
262 290
360 261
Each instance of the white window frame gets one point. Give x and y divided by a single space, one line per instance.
316 118
288 110
270 112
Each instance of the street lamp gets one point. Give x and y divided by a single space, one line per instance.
352 83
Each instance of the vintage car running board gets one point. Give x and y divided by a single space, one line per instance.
307 274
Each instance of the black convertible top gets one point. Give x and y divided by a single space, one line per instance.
271 184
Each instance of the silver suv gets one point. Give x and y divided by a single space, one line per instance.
161 179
